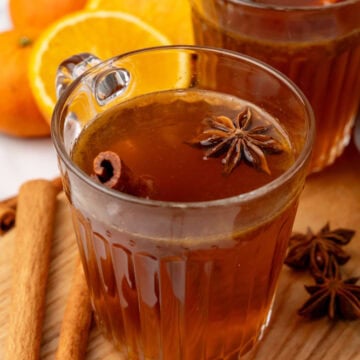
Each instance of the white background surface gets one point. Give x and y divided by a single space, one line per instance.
22 159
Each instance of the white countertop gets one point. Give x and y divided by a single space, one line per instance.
22 159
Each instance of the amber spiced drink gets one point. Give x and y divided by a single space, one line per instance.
314 42
183 195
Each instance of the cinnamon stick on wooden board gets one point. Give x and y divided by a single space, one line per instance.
7 219
77 319
8 208
36 209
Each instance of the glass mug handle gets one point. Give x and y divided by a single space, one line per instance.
107 84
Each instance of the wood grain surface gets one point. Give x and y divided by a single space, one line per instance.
332 195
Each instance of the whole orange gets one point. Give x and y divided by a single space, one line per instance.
40 13
19 115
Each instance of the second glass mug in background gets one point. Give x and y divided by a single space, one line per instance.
318 47
169 280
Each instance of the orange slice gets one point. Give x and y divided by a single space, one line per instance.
171 17
102 33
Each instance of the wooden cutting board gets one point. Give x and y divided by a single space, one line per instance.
333 195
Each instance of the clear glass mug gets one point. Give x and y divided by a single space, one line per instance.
318 47
173 280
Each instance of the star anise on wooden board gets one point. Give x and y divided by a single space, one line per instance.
333 297
316 251
238 140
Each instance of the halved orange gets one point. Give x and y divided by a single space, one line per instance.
102 33
171 17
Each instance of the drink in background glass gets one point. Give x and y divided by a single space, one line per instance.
316 43
190 271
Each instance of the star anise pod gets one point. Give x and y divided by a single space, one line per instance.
333 297
312 251
239 140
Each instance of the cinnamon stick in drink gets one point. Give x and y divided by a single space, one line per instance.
77 319
111 171
34 231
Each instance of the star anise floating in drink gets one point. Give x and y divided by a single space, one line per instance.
238 140
323 255
312 251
